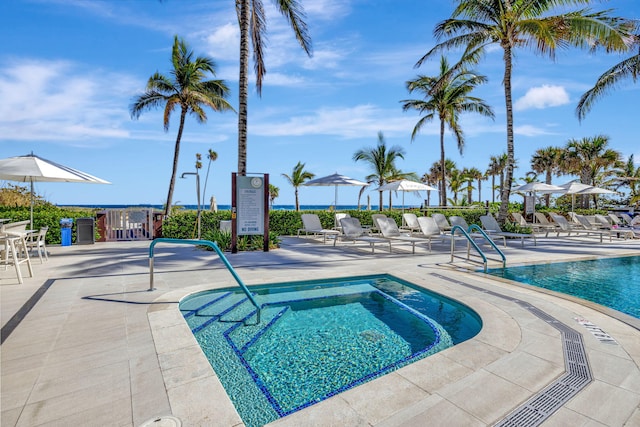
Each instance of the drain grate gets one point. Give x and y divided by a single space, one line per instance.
577 371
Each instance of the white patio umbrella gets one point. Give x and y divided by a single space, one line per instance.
335 180
31 168
595 190
538 187
405 185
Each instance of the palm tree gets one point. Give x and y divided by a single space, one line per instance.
629 176
547 161
626 69
436 172
446 96
297 178
456 181
187 89
382 162
512 24
274 192
212 156
497 167
589 157
471 174
252 20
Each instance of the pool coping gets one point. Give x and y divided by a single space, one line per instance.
173 328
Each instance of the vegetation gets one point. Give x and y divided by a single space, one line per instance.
445 96
514 24
297 178
253 24
186 89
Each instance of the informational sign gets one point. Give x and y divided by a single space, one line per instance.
250 205
529 204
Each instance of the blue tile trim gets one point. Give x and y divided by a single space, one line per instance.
210 303
389 368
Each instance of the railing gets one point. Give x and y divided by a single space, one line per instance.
472 243
213 246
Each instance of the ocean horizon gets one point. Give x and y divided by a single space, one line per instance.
228 207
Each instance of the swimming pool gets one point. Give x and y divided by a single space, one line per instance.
612 282
319 338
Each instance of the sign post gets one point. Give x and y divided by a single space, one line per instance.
249 208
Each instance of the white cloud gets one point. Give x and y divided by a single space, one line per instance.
52 100
530 130
542 97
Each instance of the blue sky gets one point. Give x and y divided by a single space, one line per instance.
70 69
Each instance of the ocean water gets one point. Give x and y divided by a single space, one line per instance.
228 207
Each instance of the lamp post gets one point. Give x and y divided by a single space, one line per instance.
198 193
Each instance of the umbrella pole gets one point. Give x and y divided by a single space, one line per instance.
335 199
31 204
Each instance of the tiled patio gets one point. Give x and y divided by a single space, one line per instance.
86 344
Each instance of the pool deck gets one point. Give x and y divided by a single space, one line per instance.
86 343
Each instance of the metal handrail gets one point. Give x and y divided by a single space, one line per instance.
491 242
471 243
213 246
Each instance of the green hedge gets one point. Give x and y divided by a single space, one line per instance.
49 216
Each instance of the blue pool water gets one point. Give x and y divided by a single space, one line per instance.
319 338
612 282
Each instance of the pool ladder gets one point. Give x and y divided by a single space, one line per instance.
472 243
213 246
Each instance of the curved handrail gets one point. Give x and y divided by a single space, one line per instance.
491 242
466 235
213 246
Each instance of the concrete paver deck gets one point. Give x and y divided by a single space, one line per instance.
85 342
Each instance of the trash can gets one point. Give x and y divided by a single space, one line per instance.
65 231
85 234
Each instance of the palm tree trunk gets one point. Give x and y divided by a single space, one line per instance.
493 188
297 203
380 184
176 154
443 185
479 190
547 197
506 190
243 87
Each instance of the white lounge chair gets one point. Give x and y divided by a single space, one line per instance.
311 225
353 231
462 223
442 221
548 225
536 227
36 242
410 223
568 227
391 232
620 232
374 219
492 228
632 222
338 217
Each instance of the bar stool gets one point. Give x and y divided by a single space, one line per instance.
14 245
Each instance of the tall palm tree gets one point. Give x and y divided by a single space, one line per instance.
512 24
381 160
186 89
297 178
253 25
456 182
437 172
589 157
547 160
445 96
212 156
626 69
471 174
497 167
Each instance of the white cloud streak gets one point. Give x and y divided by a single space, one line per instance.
542 97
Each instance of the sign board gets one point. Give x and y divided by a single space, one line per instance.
529 204
250 205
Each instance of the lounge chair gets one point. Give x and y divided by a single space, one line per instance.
391 232
353 231
429 230
548 225
410 223
632 222
442 221
311 225
577 229
620 232
458 220
614 219
492 228
338 217
374 219
536 227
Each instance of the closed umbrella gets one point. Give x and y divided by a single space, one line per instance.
336 180
31 168
405 185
